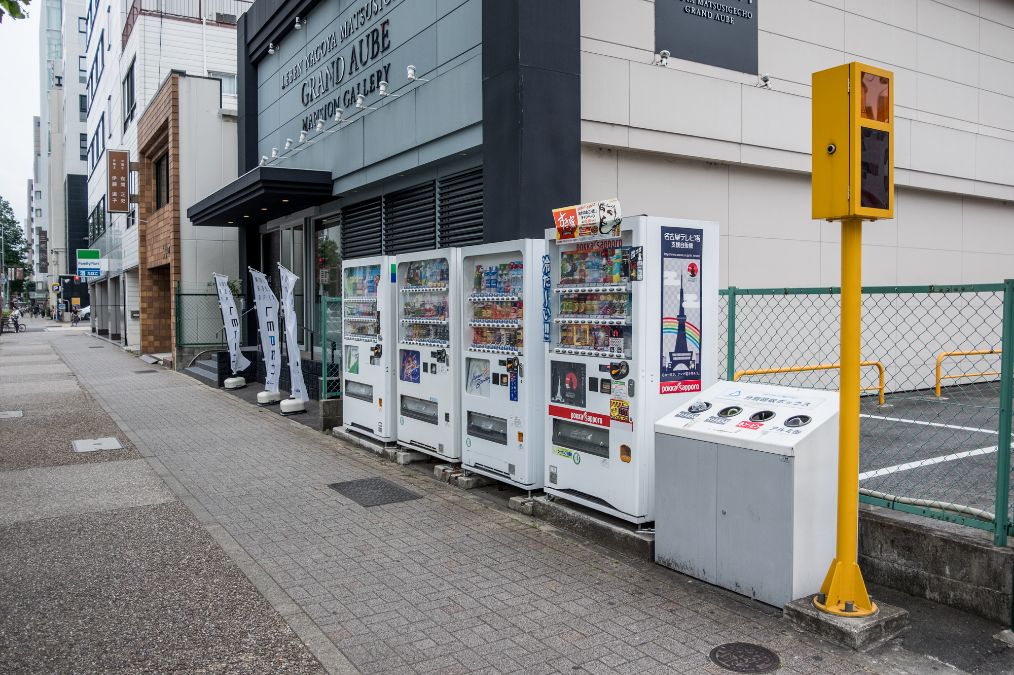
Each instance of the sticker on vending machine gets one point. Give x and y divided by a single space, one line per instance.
619 410
682 279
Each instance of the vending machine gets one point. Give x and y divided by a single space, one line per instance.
429 347
368 347
502 361
633 314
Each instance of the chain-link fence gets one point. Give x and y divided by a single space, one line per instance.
199 320
935 412
331 347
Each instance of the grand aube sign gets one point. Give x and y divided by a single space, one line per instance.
342 64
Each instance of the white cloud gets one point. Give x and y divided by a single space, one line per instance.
19 84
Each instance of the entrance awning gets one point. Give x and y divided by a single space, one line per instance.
261 194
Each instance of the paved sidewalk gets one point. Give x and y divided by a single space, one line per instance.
444 583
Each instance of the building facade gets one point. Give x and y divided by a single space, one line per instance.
369 126
186 148
131 49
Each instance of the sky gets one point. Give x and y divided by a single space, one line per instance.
19 82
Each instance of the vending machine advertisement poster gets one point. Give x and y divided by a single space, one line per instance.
680 346
477 377
352 359
594 219
409 371
568 383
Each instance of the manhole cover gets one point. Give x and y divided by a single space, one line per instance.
10 414
93 444
142 372
743 657
373 491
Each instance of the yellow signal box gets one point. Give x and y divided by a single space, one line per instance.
853 142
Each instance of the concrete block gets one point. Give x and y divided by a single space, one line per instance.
404 457
444 472
470 481
597 527
521 505
330 413
860 633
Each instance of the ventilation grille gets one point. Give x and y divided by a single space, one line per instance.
362 229
410 219
460 198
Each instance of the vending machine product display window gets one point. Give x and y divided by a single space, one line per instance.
632 332
368 338
428 350
502 361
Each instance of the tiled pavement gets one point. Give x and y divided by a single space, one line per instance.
447 583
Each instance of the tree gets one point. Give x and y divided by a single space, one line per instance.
15 247
14 8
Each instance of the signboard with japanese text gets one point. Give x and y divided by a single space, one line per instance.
118 181
719 33
594 219
89 262
680 353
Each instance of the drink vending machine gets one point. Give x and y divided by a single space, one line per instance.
367 347
429 344
633 333
502 361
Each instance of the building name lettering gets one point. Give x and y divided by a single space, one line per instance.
717 11
362 17
368 84
316 54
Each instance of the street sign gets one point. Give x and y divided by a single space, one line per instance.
118 181
89 262
55 288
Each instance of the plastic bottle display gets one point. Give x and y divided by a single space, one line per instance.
499 279
424 302
426 307
427 274
593 320
360 305
595 266
503 338
426 332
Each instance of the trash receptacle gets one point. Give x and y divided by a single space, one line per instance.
746 484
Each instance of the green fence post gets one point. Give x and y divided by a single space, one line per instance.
1004 427
730 337
179 316
323 348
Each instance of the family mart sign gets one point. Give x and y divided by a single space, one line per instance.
89 262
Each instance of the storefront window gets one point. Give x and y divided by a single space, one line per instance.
328 267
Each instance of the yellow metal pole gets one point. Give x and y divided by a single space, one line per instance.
843 591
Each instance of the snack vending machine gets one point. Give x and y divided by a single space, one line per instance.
367 347
502 361
633 334
429 343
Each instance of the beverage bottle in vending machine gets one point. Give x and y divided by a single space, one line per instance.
517 277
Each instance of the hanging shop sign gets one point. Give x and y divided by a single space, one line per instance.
117 181
720 33
89 262
594 219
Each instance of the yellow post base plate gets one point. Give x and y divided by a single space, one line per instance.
844 583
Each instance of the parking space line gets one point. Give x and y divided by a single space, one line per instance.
928 424
926 462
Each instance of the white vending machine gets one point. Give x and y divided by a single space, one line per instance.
633 334
429 348
368 347
502 361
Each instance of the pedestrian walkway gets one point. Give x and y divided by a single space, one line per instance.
447 582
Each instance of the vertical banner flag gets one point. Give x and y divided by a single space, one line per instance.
680 357
298 388
230 317
267 321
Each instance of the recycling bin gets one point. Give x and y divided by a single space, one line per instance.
746 484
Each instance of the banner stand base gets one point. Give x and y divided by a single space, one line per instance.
268 397
234 382
291 406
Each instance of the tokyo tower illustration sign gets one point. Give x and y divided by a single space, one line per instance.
680 344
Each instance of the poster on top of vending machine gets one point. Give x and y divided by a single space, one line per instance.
680 346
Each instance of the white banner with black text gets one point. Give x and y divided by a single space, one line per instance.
230 318
266 305
298 388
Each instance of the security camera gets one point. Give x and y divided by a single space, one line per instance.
663 57
765 80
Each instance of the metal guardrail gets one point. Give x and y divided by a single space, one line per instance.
823 366
959 376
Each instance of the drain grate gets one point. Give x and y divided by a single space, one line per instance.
96 347
142 372
10 414
373 491
744 657
93 444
